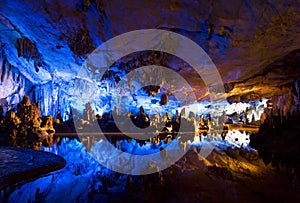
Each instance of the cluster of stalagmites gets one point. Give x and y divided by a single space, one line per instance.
163 127
26 128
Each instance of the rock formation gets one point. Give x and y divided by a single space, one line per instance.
278 140
251 43
27 128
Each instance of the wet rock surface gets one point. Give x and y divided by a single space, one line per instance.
19 164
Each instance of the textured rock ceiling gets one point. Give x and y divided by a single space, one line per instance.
253 43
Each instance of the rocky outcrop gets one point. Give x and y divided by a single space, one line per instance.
26 128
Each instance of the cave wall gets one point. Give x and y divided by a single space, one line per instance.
52 96
251 42
12 84
242 37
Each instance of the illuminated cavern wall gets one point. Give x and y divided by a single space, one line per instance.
52 96
56 95
47 41
13 84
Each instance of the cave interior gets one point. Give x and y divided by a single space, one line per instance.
76 83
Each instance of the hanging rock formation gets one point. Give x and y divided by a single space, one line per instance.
255 45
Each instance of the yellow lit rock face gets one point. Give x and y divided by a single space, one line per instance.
253 43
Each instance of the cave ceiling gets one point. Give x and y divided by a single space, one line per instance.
254 44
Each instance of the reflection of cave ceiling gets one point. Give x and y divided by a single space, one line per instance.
252 43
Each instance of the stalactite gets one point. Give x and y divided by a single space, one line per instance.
52 98
27 49
3 70
12 86
81 43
